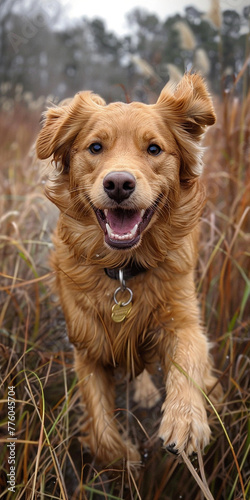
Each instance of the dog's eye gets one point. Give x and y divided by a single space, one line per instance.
95 148
154 149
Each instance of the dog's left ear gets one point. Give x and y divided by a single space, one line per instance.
188 110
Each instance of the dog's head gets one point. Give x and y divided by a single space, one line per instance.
124 164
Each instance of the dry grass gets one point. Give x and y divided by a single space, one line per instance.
37 360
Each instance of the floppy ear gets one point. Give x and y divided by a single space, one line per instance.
63 123
188 110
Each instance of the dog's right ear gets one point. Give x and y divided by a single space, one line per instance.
64 122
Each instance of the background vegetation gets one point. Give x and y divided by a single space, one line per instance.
45 53
35 355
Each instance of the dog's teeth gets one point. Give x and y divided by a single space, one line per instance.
108 228
142 213
133 232
128 236
105 212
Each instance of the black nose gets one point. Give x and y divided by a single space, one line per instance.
119 185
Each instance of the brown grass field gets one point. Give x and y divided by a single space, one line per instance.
36 358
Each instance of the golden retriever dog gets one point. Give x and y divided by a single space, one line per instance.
126 179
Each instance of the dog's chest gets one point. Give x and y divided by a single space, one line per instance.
133 320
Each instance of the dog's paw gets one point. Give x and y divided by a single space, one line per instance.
184 428
126 454
132 455
171 448
146 394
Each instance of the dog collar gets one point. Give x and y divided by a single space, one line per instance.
129 271
122 308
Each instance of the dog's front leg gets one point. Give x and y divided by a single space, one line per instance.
184 425
98 393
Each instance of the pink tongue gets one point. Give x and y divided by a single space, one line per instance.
123 221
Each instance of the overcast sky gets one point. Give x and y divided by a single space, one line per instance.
114 13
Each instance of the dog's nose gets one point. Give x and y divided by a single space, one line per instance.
119 185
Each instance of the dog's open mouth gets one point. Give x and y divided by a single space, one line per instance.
122 228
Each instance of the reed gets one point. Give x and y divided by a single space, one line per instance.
37 360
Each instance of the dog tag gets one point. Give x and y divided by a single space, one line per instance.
120 312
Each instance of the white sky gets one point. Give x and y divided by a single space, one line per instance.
114 12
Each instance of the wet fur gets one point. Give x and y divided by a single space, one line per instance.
164 322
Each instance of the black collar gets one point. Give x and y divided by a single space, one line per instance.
129 271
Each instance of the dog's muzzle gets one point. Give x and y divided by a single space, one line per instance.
122 227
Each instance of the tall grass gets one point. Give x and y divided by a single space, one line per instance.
37 360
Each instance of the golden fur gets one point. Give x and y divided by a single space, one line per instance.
88 140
